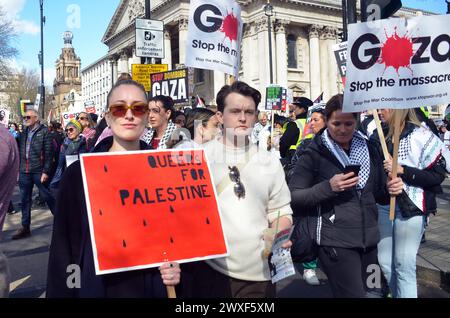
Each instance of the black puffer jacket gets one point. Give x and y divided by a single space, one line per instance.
355 223
41 154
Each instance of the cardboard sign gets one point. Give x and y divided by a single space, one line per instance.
25 104
340 53
274 97
149 207
141 73
173 83
67 116
214 36
398 63
4 117
89 106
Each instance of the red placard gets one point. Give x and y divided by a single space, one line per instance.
149 207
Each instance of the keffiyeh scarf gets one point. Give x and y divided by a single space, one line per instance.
420 149
359 155
147 137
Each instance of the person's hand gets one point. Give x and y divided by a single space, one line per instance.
342 182
287 244
395 186
44 177
387 164
170 273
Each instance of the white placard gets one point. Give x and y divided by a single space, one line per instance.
214 36
398 63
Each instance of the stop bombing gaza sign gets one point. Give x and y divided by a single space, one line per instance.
398 63
214 36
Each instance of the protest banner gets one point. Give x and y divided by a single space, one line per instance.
141 73
4 116
274 97
398 64
67 116
24 105
89 106
214 36
340 53
149 207
172 83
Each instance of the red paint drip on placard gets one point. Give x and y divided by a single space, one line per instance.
230 26
397 52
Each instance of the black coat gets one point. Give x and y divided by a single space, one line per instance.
355 212
41 155
71 244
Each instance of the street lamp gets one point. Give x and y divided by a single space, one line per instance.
41 59
268 11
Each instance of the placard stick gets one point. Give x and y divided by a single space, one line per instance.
171 292
394 163
380 133
271 128
231 79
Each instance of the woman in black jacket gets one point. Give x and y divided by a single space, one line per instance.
71 248
344 203
422 168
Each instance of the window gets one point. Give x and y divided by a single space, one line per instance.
292 51
199 75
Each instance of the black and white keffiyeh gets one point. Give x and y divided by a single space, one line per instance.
147 137
359 155
420 149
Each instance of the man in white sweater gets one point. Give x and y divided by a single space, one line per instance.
252 194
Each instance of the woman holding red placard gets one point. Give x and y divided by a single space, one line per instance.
71 271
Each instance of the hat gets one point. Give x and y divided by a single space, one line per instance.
75 123
302 102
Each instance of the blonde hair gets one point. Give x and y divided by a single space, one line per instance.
406 115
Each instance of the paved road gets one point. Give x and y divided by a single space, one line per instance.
28 262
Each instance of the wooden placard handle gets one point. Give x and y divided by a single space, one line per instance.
171 292
396 141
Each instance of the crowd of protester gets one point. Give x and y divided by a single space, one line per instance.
305 175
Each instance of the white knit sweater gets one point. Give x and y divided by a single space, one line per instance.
245 219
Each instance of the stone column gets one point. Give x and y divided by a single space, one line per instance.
114 68
167 50
123 62
219 82
263 57
281 52
332 69
246 59
324 64
182 33
314 61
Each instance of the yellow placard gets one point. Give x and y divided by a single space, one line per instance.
141 72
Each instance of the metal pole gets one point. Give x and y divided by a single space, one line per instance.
344 20
351 11
41 2
269 30
147 16
448 6
363 4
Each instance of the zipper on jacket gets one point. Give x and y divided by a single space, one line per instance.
359 194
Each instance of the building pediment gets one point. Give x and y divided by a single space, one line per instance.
121 18
297 89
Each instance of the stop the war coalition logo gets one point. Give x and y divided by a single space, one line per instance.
399 64
214 36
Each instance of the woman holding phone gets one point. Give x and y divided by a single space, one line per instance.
127 116
344 201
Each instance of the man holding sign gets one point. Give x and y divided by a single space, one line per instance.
253 196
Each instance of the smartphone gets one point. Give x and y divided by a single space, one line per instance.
352 168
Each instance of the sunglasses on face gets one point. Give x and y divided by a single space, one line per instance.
137 109
82 118
70 130
28 117
235 176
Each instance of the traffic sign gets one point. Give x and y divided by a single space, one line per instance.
149 38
